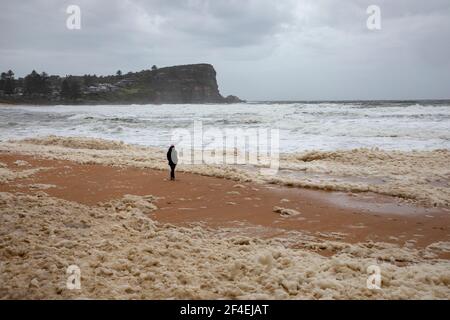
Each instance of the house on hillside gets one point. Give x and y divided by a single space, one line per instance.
124 83
102 87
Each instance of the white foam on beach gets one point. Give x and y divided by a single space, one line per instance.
7 174
418 176
123 254
421 176
21 163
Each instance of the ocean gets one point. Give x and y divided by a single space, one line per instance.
390 125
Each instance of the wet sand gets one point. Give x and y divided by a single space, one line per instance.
248 207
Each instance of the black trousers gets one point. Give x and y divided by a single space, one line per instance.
172 171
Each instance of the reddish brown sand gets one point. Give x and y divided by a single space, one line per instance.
216 203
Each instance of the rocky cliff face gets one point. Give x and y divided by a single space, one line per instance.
194 83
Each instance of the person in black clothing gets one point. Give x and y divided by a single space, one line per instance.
172 157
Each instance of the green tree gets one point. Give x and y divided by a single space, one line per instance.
32 83
75 90
9 82
70 89
65 89
154 68
44 85
2 81
9 86
89 80
119 73
37 84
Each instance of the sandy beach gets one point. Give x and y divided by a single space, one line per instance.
110 209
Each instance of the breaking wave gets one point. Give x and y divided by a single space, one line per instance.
303 126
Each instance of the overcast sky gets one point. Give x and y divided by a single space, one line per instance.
261 49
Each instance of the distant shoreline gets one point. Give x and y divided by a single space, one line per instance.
194 83
107 103
97 103
348 101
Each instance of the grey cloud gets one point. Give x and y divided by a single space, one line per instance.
262 49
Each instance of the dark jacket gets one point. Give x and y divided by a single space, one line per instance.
169 156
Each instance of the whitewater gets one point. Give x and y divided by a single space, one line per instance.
326 126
